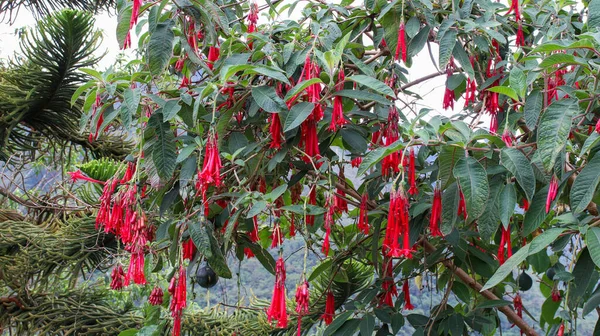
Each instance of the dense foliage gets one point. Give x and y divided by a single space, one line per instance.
241 128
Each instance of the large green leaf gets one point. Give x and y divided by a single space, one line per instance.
160 47
450 199
517 163
594 14
446 46
297 114
585 185
373 157
539 243
364 95
536 214
533 108
446 161
267 99
583 276
373 84
473 182
592 240
508 201
164 149
553 131
487 224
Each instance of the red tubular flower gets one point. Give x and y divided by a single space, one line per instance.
275 130
504 240
358 160
337 116
561 330
507 137
597 128
253 235
292 226
276 236
329 221
188 249
156 296
211 169
340 204
185 82
192 37
518 303
363 217
448 99
520 40
401 42
178 289
213 56
117 278
398 224
406 290
388 284
555 295
413 190
310 140
78 175
302 298
252 20
329 313
135 271
471 88
462 206
514 6
312 200
552 191
525 204
436 213
248 253
129 172
277 311
553 83
392 161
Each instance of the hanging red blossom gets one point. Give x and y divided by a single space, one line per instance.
504 240
525 204
156 296
520 39
135 271
462 206
401 47
252 20
398 224
178 290
436 213
392 161
358 160
213 56
413 190
337 116
211 169
248 253
597 128
471 88
555 295
312 200
277 311
518 303
275 131
302 298
292 226
363 217
78 175
514 7
561 330
340 203
276 236
388 284
117 278
329 313
329 221
253 235
310 140
188 249
406 290
554 82
507 137
448 101
552 191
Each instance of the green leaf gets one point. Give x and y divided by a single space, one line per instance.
549 308
493 304
363 95
348 328
517 163
171 109
80 90
446 161
164 149
450 199
590 142
270 72
540 242
583 276
300 87
594 13
553 131
356 142
533 108
463 58
518 81
129 332
267 99
508 200
559 59
505 90
263 256
592 240
367 325
297 114
373 84
473 182
487 224
200 238
536 214
556 45
274 194
160 47
446 46
123 19
585 185
322 267
337 323
132 98
373 157
591 304
256 209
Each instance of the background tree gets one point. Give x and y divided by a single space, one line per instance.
246 134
